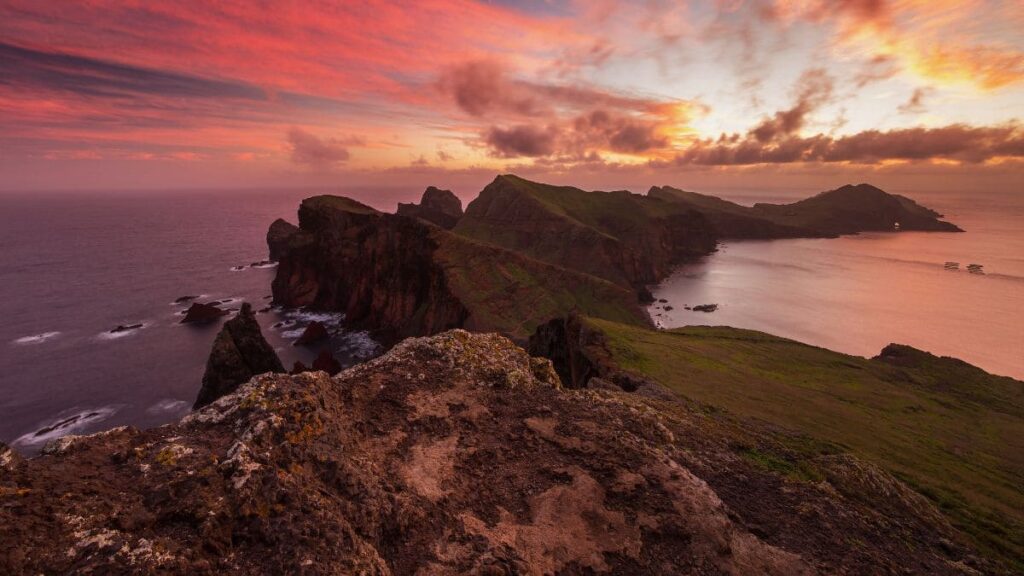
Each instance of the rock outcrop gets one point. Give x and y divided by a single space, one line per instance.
440 207
278 236
580 355
379 269
199 313
239 353
314 332
401 276
455 454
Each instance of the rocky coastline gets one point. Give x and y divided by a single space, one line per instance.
527 418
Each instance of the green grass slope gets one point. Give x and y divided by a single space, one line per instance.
950 430
513 294
626 238
845 210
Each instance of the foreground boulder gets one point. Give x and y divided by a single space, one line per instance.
455 454
239 353
440 207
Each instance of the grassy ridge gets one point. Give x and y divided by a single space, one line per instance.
956 435
514 294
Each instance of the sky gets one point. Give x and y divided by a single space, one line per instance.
733 94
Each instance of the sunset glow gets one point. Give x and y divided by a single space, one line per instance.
605 94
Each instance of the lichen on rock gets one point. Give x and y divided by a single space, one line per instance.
457 453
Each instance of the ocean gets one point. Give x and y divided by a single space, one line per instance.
858 293
73 266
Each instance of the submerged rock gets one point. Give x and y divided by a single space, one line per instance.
199 313
703 308
239 353
314 332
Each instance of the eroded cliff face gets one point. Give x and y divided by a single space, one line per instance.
379 269
403 276
453 454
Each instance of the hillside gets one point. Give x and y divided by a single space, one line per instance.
625 238
457 454
952 431
402 276
845 210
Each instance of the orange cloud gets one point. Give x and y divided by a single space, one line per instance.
943 41
532 119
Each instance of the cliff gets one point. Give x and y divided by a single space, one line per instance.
401 276
440 207
455 454
951 430
379 269
846 210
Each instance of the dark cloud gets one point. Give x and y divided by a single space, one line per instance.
915 105
310 150
878 68
523 140
814 89
94 77
481 87
533 119
955 142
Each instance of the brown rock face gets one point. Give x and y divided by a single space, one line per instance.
379 269
326 362
239 353
456 454
278 237
580 355
441 207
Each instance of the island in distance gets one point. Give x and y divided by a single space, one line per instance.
529 419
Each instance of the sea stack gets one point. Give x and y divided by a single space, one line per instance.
239 353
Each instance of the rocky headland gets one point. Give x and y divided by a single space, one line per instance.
597 445
455 454
846 210
525 252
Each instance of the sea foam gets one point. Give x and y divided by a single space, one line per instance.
36 338
68 423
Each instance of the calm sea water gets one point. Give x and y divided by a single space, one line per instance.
74 266
856 294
